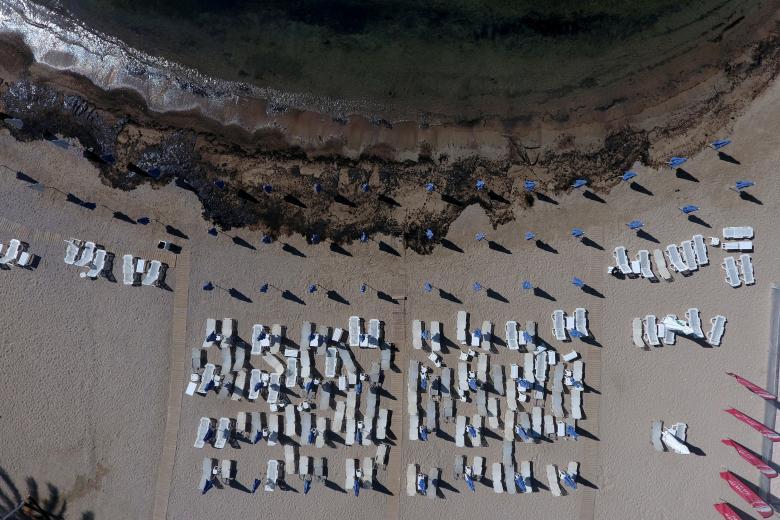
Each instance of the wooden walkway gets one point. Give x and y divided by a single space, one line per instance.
176 380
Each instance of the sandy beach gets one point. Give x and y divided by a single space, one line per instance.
87 363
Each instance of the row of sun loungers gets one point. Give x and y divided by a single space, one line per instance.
563 324
649 332
739 271
694 254
16 253
135 270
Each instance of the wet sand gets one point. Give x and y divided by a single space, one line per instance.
123 432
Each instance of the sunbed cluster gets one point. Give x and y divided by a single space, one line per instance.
684 258
564 326
673 438
741 269
317 418
138 271
652 332
87 254
15 254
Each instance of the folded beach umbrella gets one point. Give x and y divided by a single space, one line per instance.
530 235
527 337
480 236
577 334
689 209
529 185
425 334
628 175
742 185
268 188
473 386
356 487
726 511
477 333
480 185
472 431
427 287
568 480
423 433
571 431
747 494
753 387
430 187
429 233
363 237
470 482
577 232
422 485
635 224
520 482
256 484
759 427
577 282
306 486
579 183
676 162
315 238
525 385
720 143
752 458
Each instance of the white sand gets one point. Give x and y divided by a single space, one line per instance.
112 344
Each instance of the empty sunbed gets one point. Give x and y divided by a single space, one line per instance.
700 249
636 327
669 335
206 473
204 428
581 321
460 431
744 245
417 342
552 480
732 275
87 253
97 265
511 335
497 472
207 379
737 232
238 385
673 253
411 480
436 338
622 260
462 324
223 433
127 269
374 333
72 251
558 329
651 330
271 475
525 474
153 274
354 331
660 263
487 335
689 255
644 264
746 266
655 435
715 335
694 321
240 358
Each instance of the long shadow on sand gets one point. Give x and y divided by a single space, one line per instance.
238 295
541 293
492 293
387 248
640 189
495 246
647 236
697 220
592 243
544 246
288 295
684 175
450 245
592 196
336 297
749 198
449 296
287 248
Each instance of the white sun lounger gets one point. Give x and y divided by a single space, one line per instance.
700 248
497 474
259 338
273 429
322 432
552 480
273 388
694 321
411 480
276 366
746 266
331 360
127 269
676 260
744 245
559 328
541 366
536 420
525 472
338 416
414 425
206 473
511 335
651 330
98 263
689 255
240 358
211 328
257 419
223 433
644 264
581 321
290 422
381 424
732 275
487 335
715 335
354 331
528 367
622 260
153 274
289 459
436 338
254 384
511 394
349 470
509 425
636 326
346 360
492 413
497 378
462 323
72 251
291 373
660 263
737 232
478 467
238 385
87 253
482 366
669 336
655 435
203 430
575 406
374 333
417 342
549 426
460 431
271 475
207 378
577 370
227 358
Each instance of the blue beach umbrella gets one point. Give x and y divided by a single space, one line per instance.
315 239
356 487
213 231
266 239
577 282
526 285
364 187
312 288
268 188
423 384
477 287
571 431
317 187
425 334
530 235
720 143
480 185
219 183
529 185
577 334
676 162
527 337
635 224
306 486
256 484
143 221
312 436
470 482
477 333
473 386
569 480
430 187
741 185
363 288
208 286
363 237
472 431
264 288
579 183
520 482
422 486
480 236
429 233
524 384
427 287
577 232
628 175
689 209
423 433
